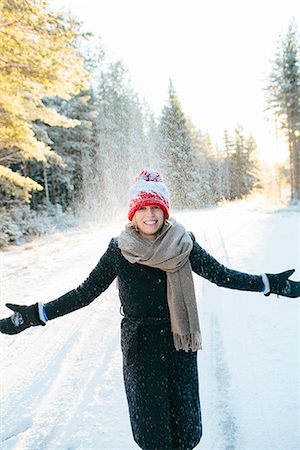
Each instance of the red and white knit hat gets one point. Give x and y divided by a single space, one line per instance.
148 190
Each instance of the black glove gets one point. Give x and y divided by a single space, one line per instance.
281 285
22 318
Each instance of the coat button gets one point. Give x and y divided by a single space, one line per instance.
162 331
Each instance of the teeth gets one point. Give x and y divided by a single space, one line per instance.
150 222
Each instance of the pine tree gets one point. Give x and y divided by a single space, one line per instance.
151 133
283 98
205 166
65 184
254 173
39 58
227 151
243 164
178 154
120 147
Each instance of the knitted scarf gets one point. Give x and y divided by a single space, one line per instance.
170 253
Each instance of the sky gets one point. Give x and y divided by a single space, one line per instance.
217 53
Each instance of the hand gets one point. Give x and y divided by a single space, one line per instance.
281 285
22 318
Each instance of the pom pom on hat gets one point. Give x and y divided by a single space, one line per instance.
147 190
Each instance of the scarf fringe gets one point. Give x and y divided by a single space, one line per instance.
186 342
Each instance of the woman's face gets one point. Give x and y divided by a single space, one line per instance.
149 221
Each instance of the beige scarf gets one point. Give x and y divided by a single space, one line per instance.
170 252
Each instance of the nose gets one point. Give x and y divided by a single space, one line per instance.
153 210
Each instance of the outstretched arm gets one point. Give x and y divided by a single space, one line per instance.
208 267
38 314
97 282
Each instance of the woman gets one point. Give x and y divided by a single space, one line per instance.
153 260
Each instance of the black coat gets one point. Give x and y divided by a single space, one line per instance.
161 383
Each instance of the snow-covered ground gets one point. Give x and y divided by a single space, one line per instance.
61 385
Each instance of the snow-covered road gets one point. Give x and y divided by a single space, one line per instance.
61 385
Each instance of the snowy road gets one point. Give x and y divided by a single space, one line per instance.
61 385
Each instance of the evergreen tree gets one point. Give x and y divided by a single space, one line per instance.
205 165
214 169
178 154
253 179
283 98
227 152
151 132
243 165
120 146
39 58
65 184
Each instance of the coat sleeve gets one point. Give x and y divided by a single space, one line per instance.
208 267
98 281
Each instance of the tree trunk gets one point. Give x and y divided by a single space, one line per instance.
46 186
294 151
296 165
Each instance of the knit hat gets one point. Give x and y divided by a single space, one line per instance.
147 190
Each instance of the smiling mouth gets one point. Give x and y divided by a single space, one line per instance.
150 222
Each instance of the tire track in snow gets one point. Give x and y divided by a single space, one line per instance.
228 400
21 428
241 330
88 390
226 418
27 393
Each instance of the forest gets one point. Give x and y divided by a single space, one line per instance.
73 131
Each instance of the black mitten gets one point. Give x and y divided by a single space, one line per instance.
22 318
281 285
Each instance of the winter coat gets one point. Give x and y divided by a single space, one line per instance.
161 383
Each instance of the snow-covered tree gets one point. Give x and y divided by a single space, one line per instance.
151 131
283 98
178 154
67 184
227 150
39 58
242 164
205 166
254 174
120 141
